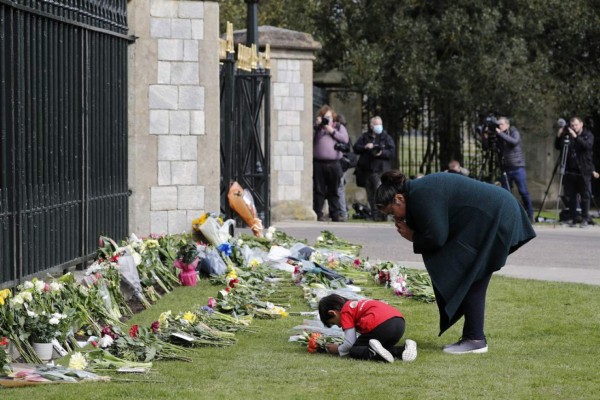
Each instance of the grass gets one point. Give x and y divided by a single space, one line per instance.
543 339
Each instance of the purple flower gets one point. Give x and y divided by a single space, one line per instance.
208 309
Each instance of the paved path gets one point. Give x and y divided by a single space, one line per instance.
557 253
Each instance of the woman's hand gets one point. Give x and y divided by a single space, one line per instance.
331 348
404 230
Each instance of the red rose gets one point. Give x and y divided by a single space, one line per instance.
155 326
233 282
4 341
133 332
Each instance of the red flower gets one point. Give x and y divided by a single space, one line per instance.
155 325
133 332
4 341
227 289
114 258
94 343
233 282
357 262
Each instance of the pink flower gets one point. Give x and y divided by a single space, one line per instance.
155 326
357 262
212 302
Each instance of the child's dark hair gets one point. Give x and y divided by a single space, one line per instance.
331 302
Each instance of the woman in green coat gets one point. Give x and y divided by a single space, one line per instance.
465 230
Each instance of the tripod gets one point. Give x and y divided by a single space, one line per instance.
488 159
562 163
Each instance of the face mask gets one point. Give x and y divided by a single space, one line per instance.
378 129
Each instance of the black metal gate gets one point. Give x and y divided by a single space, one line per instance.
63 131
245 135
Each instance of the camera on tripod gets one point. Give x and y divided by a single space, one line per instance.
488 126
566 137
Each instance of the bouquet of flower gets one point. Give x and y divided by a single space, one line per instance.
187 261
45 327
3 353
242 202
212 228
315 342
187 328
328 240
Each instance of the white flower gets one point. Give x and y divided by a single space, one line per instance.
27 296
105 341
78 361
320 238
59 316
53 321
137 259
271 230
269 236
240 242
17 300
55 287
31 314
39 286
28 285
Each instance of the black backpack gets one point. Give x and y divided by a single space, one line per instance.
349 158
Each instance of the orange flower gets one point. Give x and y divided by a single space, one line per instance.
313 342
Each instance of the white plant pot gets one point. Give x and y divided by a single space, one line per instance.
43 351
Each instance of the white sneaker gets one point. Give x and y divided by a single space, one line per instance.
410 351
381 351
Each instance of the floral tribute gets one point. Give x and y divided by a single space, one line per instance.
315 342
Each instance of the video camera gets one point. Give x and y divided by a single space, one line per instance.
488 126
564 126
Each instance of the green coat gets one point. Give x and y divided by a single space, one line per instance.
465 230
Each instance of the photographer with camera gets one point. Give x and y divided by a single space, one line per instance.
375 149
327 171
506 140
578 142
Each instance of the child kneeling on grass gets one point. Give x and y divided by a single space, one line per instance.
380 327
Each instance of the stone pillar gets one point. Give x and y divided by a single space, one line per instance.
173 129
292 56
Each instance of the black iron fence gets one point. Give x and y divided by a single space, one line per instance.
63 132
245 134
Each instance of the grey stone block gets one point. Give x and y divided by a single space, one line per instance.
191 9
160 28
159 222
162 97
179 122
191 197
169 148
170 50
184 172
163 198
191 98
159 122
185 73
181 29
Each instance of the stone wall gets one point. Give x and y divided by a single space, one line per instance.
174 114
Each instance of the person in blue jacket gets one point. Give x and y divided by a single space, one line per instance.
464 229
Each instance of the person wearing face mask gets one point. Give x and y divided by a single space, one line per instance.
375 149
327 170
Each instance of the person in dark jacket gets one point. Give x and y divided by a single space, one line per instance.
578 169
375 149
327 171
512 158
465 229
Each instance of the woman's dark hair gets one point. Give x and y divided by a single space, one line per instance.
392 183
331 302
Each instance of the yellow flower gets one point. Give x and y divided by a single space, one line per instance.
254 263
190 317
78 361
232 274
198 222
4 294
163 319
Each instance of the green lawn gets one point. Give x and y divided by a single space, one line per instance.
544 343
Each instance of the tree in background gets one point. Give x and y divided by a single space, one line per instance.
457 59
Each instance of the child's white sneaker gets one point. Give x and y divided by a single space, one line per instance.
410 351
381 351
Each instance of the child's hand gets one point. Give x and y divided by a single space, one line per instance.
331 348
